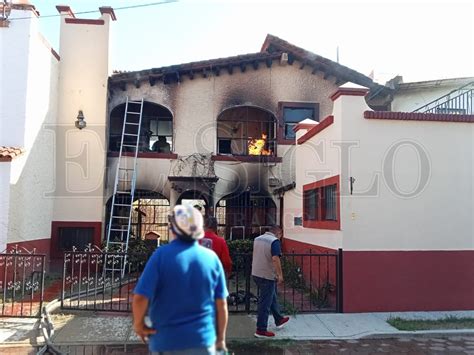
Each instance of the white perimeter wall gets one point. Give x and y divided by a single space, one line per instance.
316 159
438 217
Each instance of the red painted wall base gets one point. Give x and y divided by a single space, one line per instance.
390 281
408 281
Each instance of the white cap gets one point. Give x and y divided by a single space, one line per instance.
187 222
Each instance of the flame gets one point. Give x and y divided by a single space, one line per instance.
256 146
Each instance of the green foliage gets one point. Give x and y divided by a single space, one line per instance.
238 247
320 295
292 274
244 246
449 322
287 307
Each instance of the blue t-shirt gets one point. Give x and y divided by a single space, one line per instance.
182 280
276 248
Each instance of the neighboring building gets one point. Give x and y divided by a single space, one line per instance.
425 95
395 192
51 173
28 111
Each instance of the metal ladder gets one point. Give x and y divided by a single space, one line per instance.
118 232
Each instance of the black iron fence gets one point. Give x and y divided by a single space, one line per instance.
312 283
100 280
21 283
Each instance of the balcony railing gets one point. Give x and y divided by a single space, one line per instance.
457 102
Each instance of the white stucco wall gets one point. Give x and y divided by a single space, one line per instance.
81 154
439 216
316 159
29 74
4 203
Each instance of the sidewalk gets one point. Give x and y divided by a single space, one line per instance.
90 328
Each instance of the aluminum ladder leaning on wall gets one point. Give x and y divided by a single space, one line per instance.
118 231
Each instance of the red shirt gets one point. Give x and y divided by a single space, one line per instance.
219 246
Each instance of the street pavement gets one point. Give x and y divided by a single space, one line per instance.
313 330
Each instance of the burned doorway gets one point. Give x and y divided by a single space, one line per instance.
245 215
149 215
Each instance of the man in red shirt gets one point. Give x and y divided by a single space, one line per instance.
212 241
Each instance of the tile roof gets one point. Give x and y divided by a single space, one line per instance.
272 49
9 153
415 116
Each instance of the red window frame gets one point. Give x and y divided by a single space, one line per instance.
317 222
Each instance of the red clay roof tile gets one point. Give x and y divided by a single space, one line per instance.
9 153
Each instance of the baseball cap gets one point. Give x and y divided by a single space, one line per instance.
187 222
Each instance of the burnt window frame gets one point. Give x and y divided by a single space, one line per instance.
271 142
144 145
281 120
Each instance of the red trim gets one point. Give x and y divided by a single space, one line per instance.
416 116
55 225
55 54
281 124
248 158
41 246
304 126
7 154
26 7
321 224
152 155
66 9
392 281
82 21
348 92
108 10
316 129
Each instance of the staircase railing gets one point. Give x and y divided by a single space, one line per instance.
457 102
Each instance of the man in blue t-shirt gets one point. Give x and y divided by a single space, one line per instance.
183 291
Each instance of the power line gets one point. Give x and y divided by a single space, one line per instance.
94 11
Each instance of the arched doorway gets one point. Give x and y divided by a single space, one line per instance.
156 129
149 214
245 215
197 199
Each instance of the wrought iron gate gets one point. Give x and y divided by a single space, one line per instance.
312 283
21 283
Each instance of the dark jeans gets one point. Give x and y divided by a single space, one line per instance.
267 302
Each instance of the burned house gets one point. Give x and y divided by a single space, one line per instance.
220 132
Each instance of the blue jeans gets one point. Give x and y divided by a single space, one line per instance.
267 302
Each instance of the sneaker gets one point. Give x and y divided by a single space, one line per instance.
282 322
263 334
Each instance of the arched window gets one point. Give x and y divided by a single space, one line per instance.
245 215
156 133
246 130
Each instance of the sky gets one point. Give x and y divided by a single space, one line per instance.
419 40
